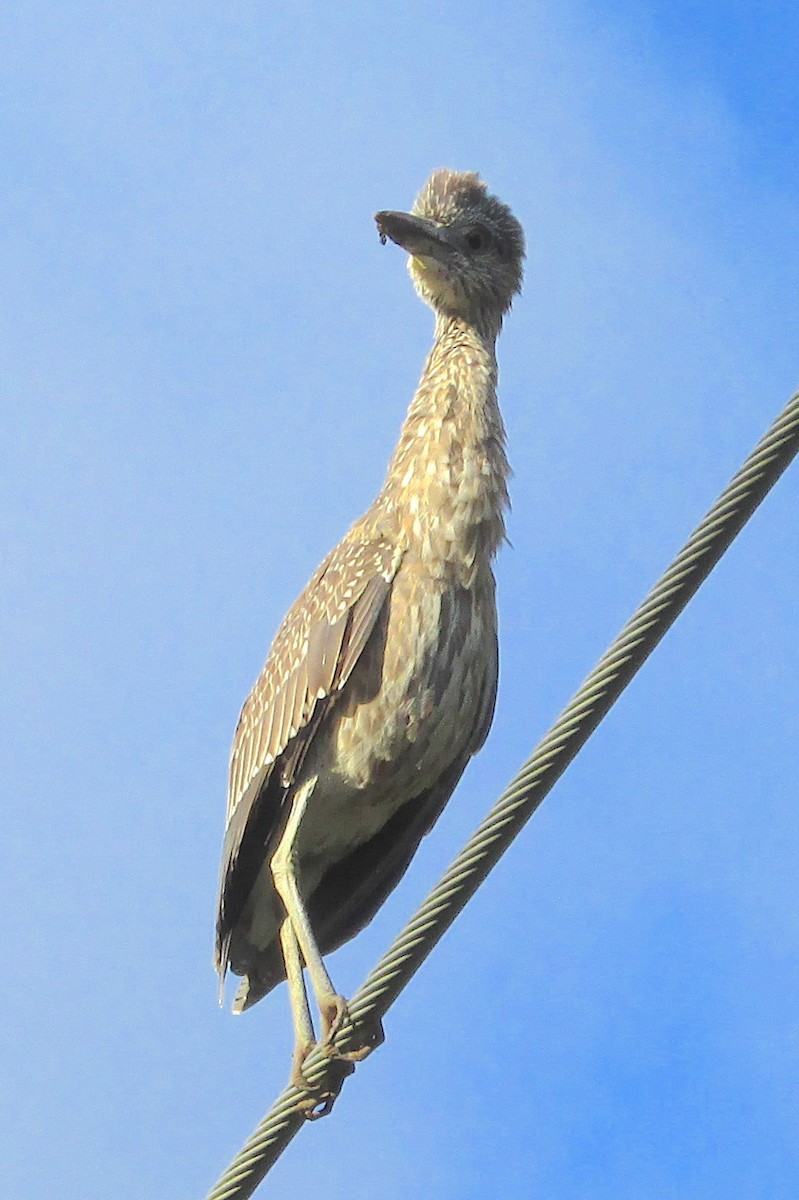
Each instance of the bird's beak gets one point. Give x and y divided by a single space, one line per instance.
417 235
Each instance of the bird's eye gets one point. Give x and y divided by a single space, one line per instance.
477 239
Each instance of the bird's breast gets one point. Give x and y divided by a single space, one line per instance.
409 710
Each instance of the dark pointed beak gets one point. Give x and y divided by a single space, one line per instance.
417 235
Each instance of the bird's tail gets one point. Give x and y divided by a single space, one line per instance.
250 991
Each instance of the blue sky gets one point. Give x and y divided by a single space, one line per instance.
206 356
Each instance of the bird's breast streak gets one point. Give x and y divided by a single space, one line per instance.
391 748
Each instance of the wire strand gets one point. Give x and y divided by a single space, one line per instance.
523 795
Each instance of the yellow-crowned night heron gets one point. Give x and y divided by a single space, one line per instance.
381 681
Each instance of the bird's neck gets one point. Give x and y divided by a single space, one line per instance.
447 481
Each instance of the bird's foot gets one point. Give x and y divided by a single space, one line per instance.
368 1036
319 1097
365 1038
297 1078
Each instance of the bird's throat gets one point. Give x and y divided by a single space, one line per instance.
447 480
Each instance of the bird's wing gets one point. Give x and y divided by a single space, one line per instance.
312 656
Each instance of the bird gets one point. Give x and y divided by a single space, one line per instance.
381 682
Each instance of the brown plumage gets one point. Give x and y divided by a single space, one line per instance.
381 681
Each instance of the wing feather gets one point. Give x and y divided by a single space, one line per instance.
293 683
276 735
296 715
324 645
363 615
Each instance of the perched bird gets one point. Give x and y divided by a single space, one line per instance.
381 681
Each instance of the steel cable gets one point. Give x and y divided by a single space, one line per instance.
522 797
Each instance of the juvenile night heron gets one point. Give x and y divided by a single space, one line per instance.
381 681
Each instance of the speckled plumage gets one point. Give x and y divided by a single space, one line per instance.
381 681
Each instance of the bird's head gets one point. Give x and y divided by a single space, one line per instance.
466 246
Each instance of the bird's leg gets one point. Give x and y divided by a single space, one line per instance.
304 1039
332 1006
319 1099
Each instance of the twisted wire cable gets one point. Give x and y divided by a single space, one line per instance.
522 797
